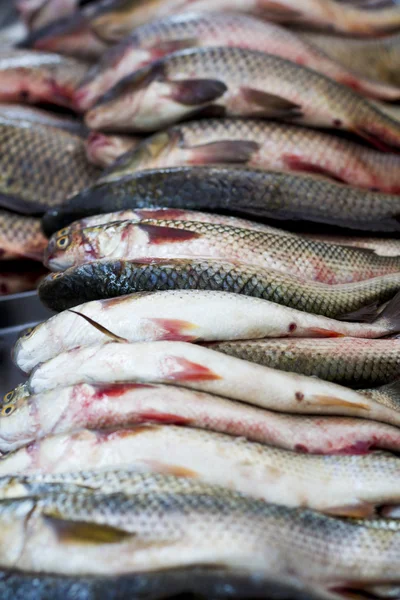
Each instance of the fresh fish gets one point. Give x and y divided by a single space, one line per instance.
63 410
20 237
108 279
377 58
115 20
103 150
290 254
238 82
29 114
200 368
324 483
70 35
40 166
381 246
249 192
31 76
356 363
256 143
36 13
192 315
18 276
160 37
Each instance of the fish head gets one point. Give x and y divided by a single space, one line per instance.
16 517
62 248
15 419
25 348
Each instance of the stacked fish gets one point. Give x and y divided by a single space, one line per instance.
216 397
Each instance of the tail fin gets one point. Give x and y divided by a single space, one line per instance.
388 395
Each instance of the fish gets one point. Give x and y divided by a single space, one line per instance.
261 144
290 254
252 193
20 237
202 369
159 37
115 20
63 410
30 76
70 35
238 82
40 166
19 276
377 58
356 363
275 475
108 279
36 13
381 246
30 114
197 316
103 150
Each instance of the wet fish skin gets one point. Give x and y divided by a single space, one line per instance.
108 279
20 112
290 254
103 150
205 370
36 77
187 315
41 166
160 37
20 236
381 246
249 192
355 363
261 144
65 410
253 84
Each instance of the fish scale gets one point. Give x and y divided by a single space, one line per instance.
20 236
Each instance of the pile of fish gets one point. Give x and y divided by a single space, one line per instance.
214 406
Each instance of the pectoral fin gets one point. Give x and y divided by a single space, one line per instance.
86 533
358 510
332 401
270 105
195 92
229 151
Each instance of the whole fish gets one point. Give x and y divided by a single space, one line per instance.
250 192
70 35
20 237
108 279
160 37
199 368
377 58
290 254
29 114
193 315
34 77
40 166
103 150
114 20
238 82
63 410
356 363
381 246
256 143
275 475
36 13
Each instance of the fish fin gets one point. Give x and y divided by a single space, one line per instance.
167 235
193 92
99 327
181 369
85 533
333 401
391 315
296 163
270 105
365 314
174 329
357 510
375 140
229 151
320 332
175 470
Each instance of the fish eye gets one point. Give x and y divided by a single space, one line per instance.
62 232
63 242
8 409
56 275
8 397
27 333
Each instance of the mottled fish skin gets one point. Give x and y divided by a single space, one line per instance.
160 37
108 279
40 166
249 192
72 408
356 363
377 58
182 315
20 112
21 236
256 143
103 150
238 82
162 239
381 246
322 483
34 77
199 368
